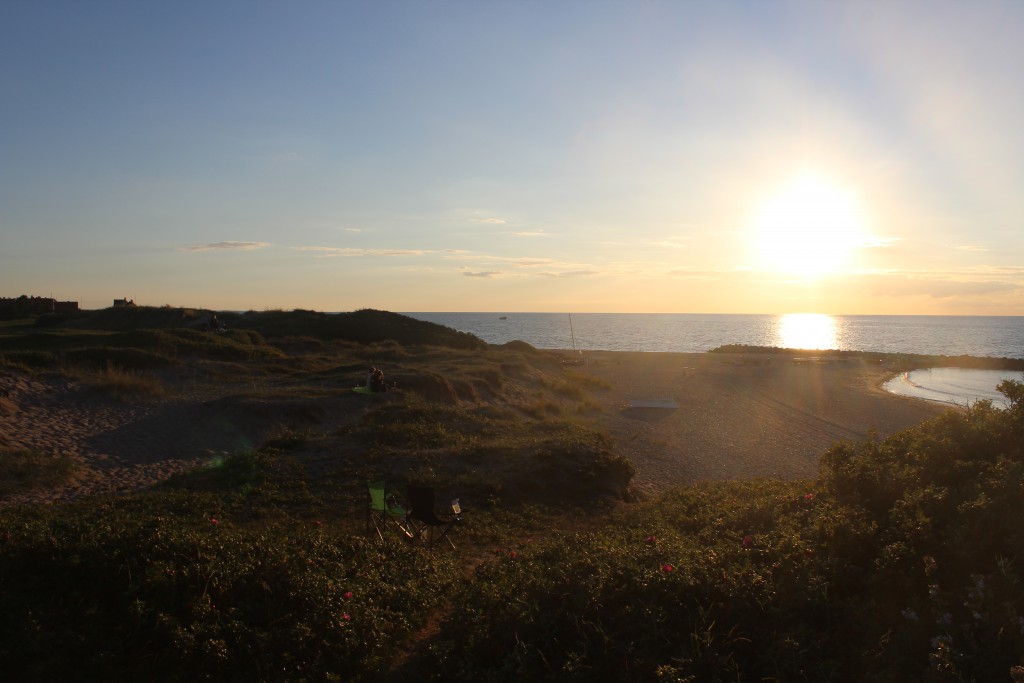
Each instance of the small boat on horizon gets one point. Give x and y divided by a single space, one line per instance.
504 317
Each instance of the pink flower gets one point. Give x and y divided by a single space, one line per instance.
513 554
348 595
650 540
748 541
808 496
345 616
667 568
214 521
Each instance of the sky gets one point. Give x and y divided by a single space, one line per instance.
669 156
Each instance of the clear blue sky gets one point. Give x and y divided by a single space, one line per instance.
762 157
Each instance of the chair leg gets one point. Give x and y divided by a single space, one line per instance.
405 526
430 535
372 519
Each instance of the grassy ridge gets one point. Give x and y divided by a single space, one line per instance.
364 326
150 338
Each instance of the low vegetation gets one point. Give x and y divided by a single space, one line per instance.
24 470
901 561
124 384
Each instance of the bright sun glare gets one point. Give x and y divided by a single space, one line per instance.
810 227
807 331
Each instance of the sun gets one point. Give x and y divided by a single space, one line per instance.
810 227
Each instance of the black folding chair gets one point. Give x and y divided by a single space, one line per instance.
428 528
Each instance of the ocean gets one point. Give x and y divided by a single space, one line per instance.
999 337
996 336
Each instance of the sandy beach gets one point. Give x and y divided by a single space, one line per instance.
738 417
742 417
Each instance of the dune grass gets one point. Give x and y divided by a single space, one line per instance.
117 382
24 470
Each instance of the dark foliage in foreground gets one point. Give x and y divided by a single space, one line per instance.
901 562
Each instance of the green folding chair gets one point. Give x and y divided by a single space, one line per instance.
384 512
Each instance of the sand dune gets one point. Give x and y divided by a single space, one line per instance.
738 417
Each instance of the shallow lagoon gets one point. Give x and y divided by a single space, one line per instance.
956 386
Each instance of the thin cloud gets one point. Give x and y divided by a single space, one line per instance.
328 252
569 273
529 233
485 273
956 274
220 246
874 242
934 287
969 247
701 274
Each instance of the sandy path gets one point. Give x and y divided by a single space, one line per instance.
741 417
120 446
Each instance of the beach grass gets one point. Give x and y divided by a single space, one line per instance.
22 470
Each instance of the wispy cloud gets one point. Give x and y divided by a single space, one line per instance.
672 242
532 262
970 247
936 288
875 242
326 252
529 233
569 273
492 221
485 273
215 246
704 274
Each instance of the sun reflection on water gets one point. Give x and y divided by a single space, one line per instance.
807 331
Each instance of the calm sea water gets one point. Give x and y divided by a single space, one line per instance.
957 386
942 335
